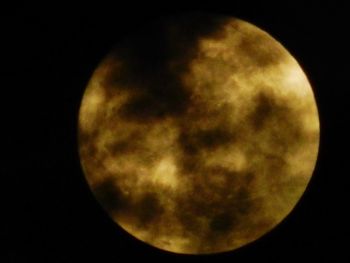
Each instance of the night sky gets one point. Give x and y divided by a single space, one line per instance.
49 58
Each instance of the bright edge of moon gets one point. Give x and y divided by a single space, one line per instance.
199 142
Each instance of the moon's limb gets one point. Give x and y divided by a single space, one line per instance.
201 141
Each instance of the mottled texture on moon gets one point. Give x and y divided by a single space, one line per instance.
198 134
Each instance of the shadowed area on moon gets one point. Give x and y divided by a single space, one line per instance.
146 70
189 141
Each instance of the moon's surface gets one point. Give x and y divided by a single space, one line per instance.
198 134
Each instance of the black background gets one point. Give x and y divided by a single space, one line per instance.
47 60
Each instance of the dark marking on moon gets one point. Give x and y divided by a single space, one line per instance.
160 91
255 48
222 223
110 196
148 208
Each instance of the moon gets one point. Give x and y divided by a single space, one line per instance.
198 134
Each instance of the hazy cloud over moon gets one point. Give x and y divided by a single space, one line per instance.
198 134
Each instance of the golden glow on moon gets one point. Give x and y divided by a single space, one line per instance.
202 141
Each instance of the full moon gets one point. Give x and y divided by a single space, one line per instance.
198 134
